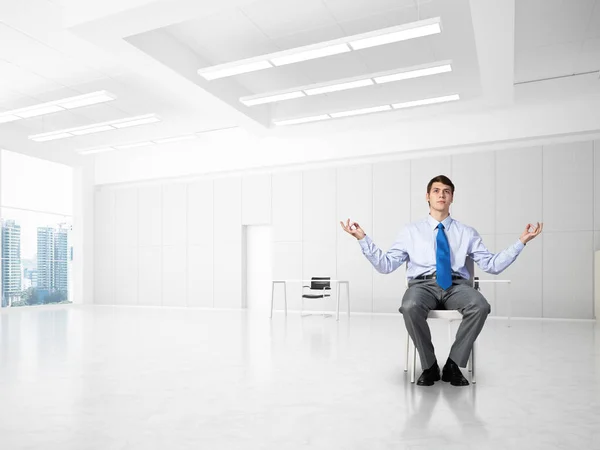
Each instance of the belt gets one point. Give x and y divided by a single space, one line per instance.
433 277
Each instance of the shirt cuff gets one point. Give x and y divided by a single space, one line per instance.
365 243
519 246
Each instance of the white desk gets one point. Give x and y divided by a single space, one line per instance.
337 283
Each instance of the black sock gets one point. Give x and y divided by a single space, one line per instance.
433 365
450 362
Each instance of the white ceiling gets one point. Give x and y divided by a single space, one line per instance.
556 38
271 25
147 53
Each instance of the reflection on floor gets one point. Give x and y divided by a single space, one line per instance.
76 377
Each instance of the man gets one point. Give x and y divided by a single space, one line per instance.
436 249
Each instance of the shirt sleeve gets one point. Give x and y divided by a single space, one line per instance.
389 261
490 262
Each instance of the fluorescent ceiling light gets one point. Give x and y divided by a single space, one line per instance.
333 47
339 87
427 101
302 120
413 74
56 106
183 137
271 98
350 83
402 33
134 145
95 128
92 130
96 150
142 120
211 74
186 137
8 118
52 137
356 112
38 111
86 100
310 54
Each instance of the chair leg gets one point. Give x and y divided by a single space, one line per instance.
337 315
348 296
325 297
473 379
470 362
407 351
414 364
272 295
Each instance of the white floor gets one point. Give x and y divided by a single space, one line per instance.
74 377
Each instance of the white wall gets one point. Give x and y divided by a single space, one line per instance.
181 243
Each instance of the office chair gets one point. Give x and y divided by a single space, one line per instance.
320 287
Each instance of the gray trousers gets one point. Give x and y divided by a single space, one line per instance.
425 295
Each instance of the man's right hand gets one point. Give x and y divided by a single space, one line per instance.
353 228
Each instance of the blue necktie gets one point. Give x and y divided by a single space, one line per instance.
442 259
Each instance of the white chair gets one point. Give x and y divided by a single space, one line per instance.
450 316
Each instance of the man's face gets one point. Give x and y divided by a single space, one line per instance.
439 197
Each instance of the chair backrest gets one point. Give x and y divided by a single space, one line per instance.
470 264
320 283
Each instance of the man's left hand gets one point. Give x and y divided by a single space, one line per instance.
530 232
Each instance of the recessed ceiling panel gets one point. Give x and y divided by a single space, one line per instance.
547 22
589 58
223 37
276 18
345 10
268 26
556 38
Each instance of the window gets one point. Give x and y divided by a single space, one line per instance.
36 225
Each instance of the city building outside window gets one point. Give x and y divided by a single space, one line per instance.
36 226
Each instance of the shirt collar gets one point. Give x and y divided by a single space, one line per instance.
434 223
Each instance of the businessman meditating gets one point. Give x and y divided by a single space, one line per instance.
436 249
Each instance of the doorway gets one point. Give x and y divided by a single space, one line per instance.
258 267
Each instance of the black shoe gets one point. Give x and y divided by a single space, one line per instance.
452 373
429 376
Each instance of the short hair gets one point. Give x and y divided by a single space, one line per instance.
441 179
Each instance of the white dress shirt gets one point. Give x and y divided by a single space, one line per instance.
416 244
